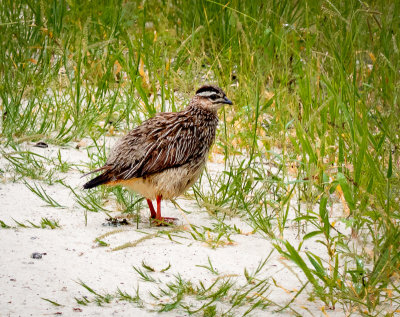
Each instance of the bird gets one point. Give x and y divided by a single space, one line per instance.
165 155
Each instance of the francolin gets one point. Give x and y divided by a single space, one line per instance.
165 155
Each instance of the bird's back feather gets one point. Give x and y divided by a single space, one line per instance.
165 141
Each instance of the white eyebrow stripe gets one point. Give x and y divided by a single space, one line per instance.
206 93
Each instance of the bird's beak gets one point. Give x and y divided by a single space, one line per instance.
227 101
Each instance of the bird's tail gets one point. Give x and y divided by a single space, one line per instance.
98 180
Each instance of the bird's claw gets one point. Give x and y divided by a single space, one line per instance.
164 221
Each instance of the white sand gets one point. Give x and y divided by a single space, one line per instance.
72 255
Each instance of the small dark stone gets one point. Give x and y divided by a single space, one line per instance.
124 222
37 255
41 145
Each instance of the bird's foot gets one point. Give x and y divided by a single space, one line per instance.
164 221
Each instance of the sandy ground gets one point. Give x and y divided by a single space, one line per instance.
73 255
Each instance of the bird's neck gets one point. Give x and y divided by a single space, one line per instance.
200 110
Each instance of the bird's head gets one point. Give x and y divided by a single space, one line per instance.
211 98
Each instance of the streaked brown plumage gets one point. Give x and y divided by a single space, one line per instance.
165 155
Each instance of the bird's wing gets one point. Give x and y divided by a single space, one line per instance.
165 141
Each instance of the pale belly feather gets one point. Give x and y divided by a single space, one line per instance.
169 184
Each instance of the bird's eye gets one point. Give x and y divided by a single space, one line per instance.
213 97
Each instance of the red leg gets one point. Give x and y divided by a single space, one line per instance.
159 220
152 211
158 216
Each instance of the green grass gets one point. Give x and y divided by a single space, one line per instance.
45 223
316 113
225 296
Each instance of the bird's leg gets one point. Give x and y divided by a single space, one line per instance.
159 220
152 211
158 216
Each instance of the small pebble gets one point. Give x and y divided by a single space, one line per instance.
41 145
37 255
